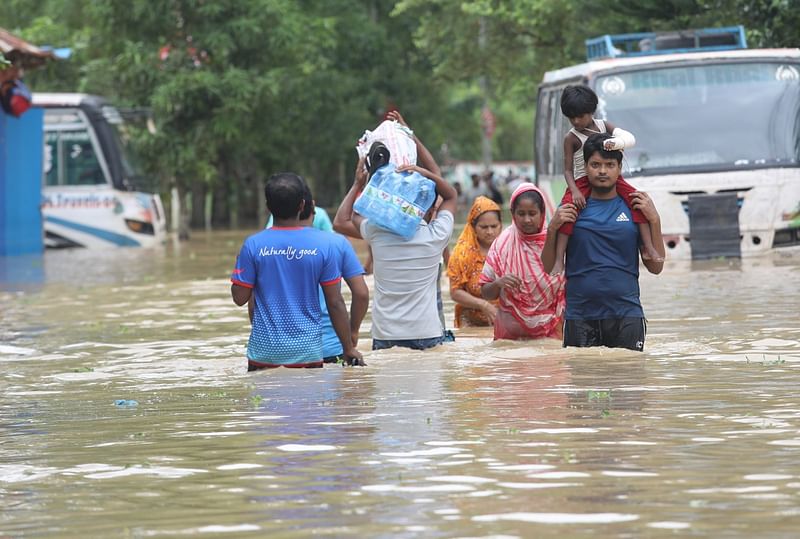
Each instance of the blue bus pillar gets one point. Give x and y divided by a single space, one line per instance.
21 143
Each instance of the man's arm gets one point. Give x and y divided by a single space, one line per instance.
340 322
564 214
425 158
243 277
346 221
241 294
641 201
359 303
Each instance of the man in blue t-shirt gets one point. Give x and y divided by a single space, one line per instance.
602 265
283 268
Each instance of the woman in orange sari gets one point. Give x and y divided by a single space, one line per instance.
466 263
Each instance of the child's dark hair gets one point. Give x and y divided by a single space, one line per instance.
533 196
578 100
284 193
594 144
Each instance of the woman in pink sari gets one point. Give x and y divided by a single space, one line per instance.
531 301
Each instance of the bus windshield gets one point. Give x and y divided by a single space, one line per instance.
706 117
120 133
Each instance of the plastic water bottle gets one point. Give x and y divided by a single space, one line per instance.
425 195
126 403
396 201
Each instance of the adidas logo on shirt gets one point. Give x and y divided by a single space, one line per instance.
622 218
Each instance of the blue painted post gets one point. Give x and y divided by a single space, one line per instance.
21 143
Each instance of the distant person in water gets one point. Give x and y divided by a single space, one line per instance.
404 307
602 270
531 300
282 267
352 273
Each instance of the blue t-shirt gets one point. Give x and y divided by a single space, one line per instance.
285 267
350 267
602 266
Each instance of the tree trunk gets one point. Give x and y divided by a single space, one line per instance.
261 213
198 204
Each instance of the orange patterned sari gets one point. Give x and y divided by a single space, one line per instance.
466 264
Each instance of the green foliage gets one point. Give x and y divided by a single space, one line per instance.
250 87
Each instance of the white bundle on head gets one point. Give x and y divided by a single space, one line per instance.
399 139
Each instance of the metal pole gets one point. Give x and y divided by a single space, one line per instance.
486 141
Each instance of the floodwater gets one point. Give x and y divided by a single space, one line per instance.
698 436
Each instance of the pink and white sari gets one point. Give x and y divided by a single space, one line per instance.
536 310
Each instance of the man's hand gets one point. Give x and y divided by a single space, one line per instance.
353 358
641 201
413 168
567 213
397 117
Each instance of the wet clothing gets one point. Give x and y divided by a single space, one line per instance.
256 366
536 309
602 266
466 264
414 344
602 270
613 333
405 272
285 267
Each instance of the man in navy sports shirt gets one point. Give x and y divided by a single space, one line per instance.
602 267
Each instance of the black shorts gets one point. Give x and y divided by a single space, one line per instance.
613 332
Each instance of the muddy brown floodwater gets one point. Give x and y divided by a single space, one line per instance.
698 436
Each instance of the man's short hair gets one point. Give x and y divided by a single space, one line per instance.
578 100
284 193
594 144
308 207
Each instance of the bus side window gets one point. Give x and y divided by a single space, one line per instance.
81 166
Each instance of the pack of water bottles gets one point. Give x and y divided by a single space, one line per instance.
396 201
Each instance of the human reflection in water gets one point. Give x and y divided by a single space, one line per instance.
314 434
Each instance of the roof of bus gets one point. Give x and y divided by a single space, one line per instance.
588 69
63 99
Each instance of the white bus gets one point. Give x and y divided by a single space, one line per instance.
92 196
717 137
